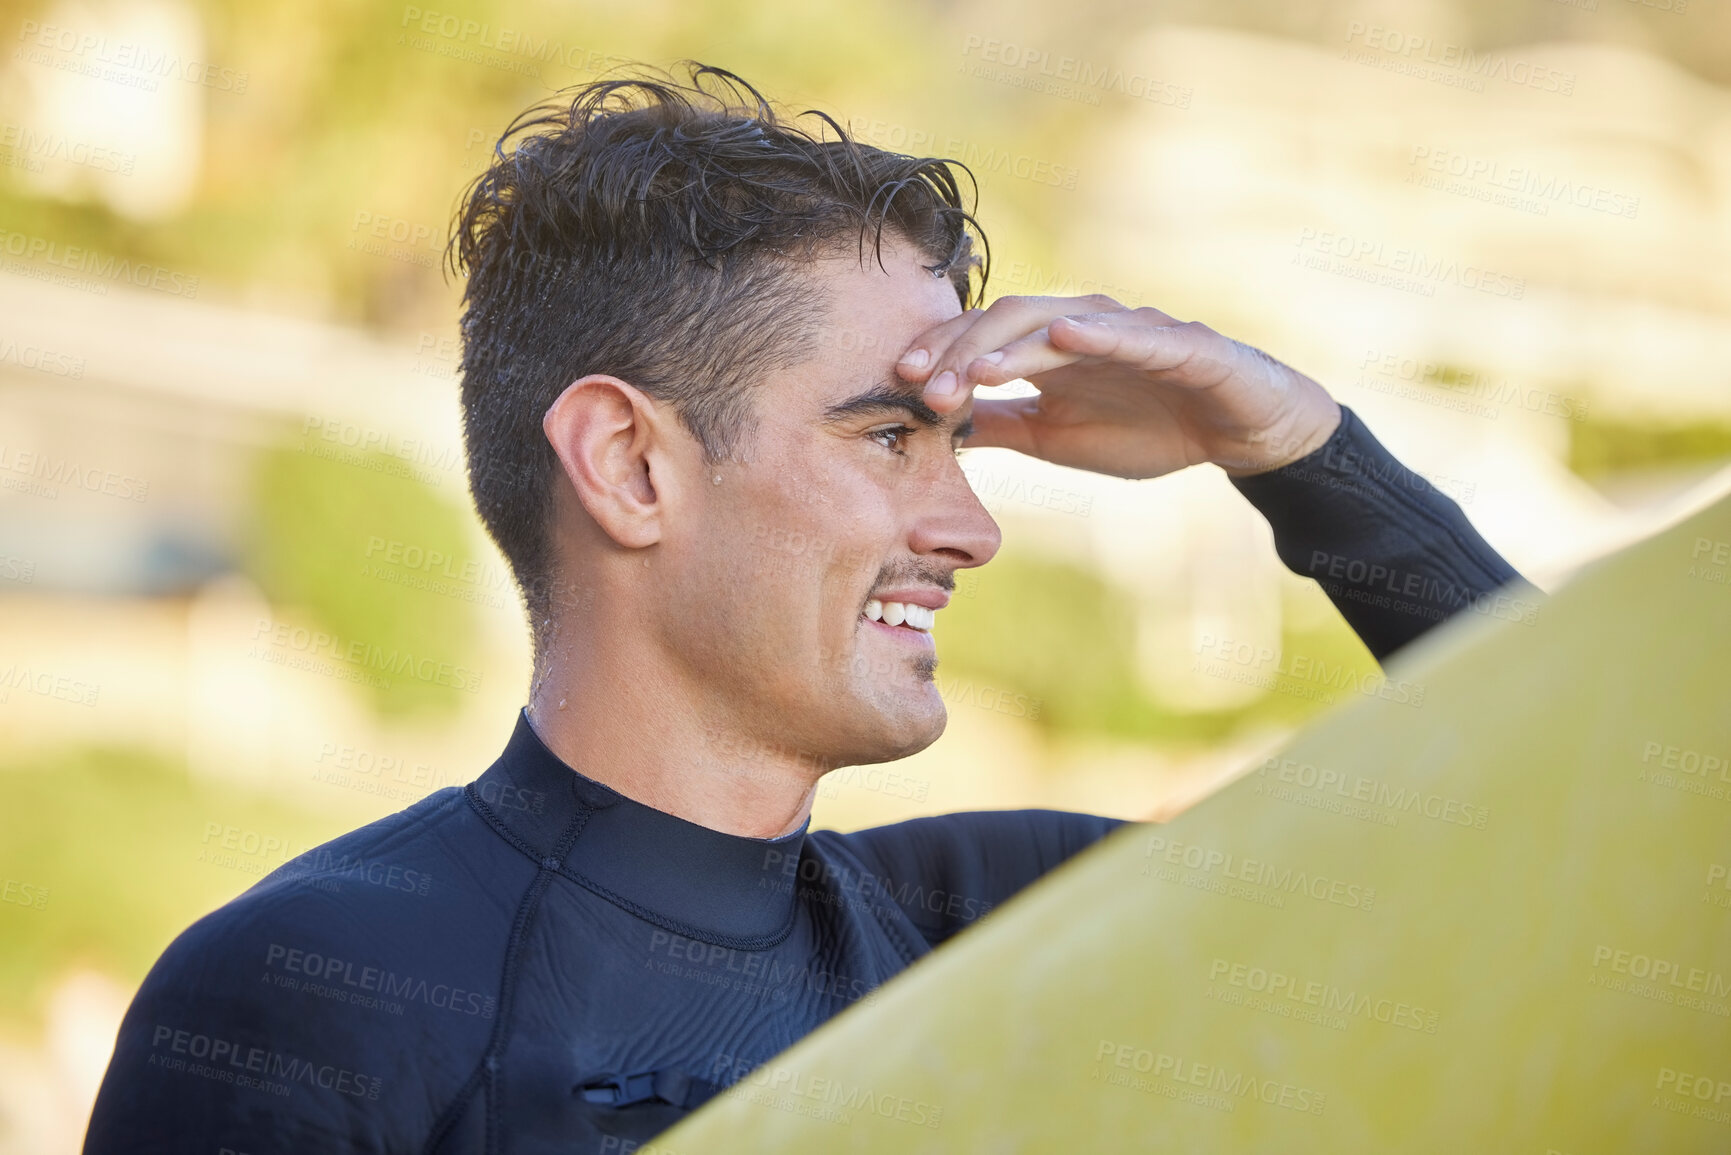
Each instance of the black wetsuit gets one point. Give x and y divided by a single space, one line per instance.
535 963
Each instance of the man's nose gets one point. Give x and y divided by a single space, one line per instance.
952 521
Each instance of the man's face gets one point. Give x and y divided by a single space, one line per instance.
849 492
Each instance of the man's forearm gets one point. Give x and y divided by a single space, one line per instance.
1395 554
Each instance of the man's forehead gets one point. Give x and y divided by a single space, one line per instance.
883 298
873 316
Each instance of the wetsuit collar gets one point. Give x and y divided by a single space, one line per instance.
696 881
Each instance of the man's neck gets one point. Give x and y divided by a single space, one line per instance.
661 747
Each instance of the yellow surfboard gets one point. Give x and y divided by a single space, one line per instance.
1496 920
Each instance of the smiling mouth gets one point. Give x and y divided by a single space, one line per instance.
905 615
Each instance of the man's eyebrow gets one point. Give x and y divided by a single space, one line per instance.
890 398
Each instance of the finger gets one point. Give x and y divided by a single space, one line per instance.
1065 340
1004 424
1005 320
1190 353
917 362
1023 357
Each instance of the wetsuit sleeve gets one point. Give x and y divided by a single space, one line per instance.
1395 555
949 870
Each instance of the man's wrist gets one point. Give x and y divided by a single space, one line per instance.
1290 446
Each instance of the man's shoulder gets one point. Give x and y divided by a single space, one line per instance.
945 871
400 852
348 994
416 900
993 851
976 831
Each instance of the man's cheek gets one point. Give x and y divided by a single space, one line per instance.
843 595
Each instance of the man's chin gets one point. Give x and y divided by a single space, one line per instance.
913 726
895 705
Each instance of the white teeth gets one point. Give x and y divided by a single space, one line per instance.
900 614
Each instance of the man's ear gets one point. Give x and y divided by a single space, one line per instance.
605 434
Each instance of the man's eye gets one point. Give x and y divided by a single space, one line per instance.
897 435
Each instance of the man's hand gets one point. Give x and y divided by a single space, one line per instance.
1127 392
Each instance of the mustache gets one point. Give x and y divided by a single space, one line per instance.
914 573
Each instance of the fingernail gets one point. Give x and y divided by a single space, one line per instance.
991 358
916 358
943 383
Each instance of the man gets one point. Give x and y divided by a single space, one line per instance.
677 349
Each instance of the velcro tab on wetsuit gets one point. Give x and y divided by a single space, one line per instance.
668 1086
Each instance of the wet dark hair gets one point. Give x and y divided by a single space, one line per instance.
659 232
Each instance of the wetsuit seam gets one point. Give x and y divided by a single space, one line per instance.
1431 551
1469 549
1435 554
526 912
685 930
897 935
892 930
487 1072
498 826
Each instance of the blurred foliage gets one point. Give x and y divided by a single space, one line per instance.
1599 446
144 866
355 115
1696 35
1059 633
352 544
